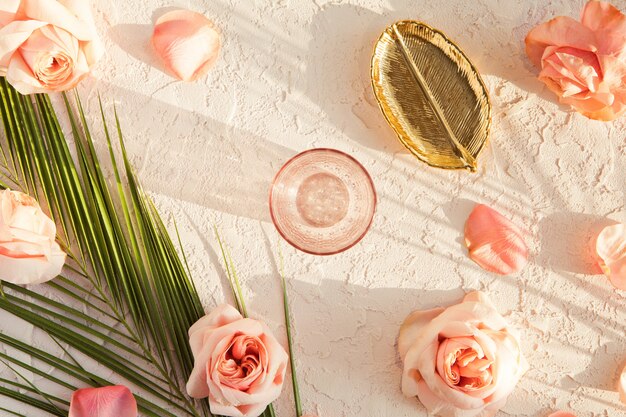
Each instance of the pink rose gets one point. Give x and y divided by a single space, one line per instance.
29 253
584 63
239 364
47 45
462 361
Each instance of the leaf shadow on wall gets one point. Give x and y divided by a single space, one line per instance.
568 242
351 331
194 158
339 59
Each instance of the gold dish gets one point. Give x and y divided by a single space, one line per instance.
431 95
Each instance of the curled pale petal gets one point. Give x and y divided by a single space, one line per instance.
187 43
561 414
611 249
31 269
58 14
29 253
494 242
622 386
560 31
412 327
600 15
115 401
7 11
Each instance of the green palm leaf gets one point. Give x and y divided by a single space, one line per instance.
130 297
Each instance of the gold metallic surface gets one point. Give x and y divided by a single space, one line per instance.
431 95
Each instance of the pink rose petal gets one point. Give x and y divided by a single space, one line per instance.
598 15
494 242
611 249
187 43
115 401
560 31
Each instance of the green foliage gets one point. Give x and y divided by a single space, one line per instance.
130 298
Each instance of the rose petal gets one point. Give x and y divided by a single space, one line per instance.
7 11
29 253
494 242
58 14
12 36
608 23
187 42
115 401
622 386
33 270
561 414
598 15
412 326
611 249
560 31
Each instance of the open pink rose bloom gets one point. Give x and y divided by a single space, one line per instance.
611 249
584 62
47 45
116 401
462 361
239 364
29 253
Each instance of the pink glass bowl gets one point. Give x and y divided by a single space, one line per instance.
322 201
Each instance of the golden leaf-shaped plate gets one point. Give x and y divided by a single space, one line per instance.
431 95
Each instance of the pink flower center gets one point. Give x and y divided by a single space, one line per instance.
52 70
463 365
243 362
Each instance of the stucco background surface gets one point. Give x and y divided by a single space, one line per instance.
293 75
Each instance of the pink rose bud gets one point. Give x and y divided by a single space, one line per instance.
29 253
462 360
187 43
48 45
239 364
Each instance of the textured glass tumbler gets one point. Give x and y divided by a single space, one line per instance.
322 201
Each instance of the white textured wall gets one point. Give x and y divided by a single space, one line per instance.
294 75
